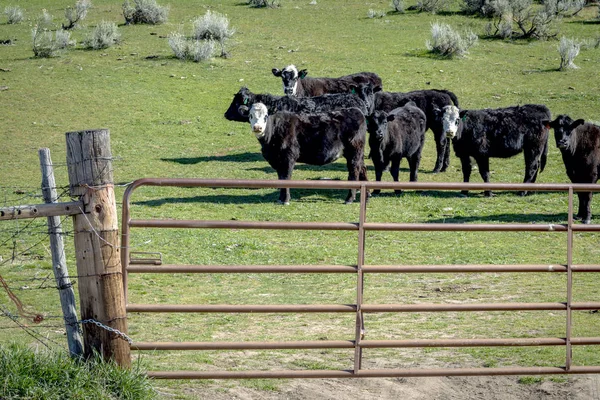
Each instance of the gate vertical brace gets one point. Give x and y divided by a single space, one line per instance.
59 261
97 250
360 323
569 352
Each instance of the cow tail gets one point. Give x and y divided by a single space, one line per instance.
544 157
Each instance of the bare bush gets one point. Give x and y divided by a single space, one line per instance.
568 50
14 13
263 3
47 43
375 14
431 6
213 26
191 49
446 42
76 14
144 12
564 8
104 35
525 21
398 6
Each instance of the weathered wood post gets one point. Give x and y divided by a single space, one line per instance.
59 261
89 161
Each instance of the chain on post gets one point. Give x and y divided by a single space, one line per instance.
108 328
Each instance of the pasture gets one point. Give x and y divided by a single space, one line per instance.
166 120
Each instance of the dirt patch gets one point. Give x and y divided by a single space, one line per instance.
581 387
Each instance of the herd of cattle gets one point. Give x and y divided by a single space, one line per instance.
319 119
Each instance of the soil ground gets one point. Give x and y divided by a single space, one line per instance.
580 387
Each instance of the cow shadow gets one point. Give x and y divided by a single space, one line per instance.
241 157
557 218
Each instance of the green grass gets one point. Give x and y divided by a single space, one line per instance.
166 120
29 374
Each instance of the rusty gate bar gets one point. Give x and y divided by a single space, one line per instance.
365 344
150 266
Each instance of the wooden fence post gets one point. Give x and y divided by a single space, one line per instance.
97 245
59 262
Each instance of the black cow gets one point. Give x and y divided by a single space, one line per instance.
363 98
579 144
296 83
500 133
315 139
394 135
431 102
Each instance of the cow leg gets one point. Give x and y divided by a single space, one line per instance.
484 170
440 145
585 207
465 163
532 165
284 193
353 163
395 171
378 174
446 162
363 177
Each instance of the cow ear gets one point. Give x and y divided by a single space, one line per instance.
462 114
377 89
276 71
575 124
353 89
302 74
391 117
548 124
244 111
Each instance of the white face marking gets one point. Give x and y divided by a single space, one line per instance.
450 121
258 116
290 80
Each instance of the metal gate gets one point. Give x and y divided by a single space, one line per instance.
360 269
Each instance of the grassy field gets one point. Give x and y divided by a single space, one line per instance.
166 120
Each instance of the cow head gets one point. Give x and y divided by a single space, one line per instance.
258 116
563 126
366 92
450 120
377 124
241 98
289 75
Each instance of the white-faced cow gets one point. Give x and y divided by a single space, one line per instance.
296 83
396 135
315 139
363 98
579 144
430 102
499 133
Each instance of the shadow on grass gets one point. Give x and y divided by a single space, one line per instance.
298 195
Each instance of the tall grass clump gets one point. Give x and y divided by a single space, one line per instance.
446 42
104 35
568 50
144 12
14 13
49 375
213 26
76 14
191 49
